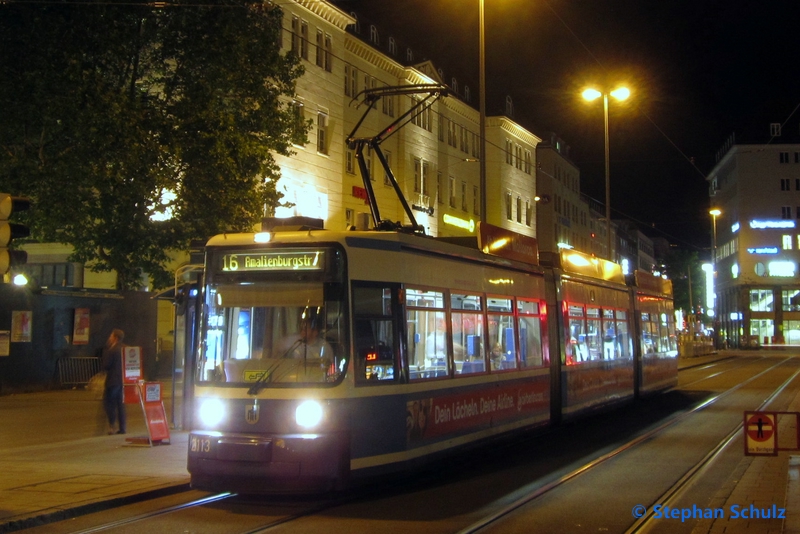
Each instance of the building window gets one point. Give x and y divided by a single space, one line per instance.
509 152
350 161
519 209
350 81
476 200
464 196
528 213
775 129
417 175
528 162
784 157
508 206
300 37
387 105
786 212
392 46
791 299
322 133
323 50
439 196
785 184
787 242
761 300
452 192
409 55
299 117
374 36
467 96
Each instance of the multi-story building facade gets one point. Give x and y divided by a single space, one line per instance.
564 216
434 158
756 188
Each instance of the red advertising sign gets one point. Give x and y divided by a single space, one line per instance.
131 373
451 414
154 413
155 416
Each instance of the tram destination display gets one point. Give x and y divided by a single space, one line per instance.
306 260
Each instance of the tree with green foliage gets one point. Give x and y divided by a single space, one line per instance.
688 279
136 130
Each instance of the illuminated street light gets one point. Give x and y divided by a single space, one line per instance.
714 212
620 93
482 125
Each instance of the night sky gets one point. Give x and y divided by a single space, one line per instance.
698 71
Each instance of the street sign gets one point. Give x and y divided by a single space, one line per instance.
760 433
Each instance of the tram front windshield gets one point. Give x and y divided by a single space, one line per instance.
274 333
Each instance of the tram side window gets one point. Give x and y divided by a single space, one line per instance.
668 326
611 347
426 327
467 323
664 333
648 335
530 333
576 350
594 334
500 330
374 340
624 339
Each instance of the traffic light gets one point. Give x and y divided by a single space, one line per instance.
11 258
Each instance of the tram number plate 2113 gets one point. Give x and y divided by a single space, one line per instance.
201 445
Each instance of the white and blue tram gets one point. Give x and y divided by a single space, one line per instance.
326 357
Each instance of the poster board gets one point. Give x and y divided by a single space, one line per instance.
131 373
155 416
80 327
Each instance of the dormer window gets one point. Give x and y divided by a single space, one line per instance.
409 55
392 46
454 85
373 35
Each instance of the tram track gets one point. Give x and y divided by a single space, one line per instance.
673 492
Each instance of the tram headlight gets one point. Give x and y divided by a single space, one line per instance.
308 414
211 412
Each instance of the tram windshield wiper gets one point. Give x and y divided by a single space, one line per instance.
269 373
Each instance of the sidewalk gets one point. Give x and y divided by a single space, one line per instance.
48 474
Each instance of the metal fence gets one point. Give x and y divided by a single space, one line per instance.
77 371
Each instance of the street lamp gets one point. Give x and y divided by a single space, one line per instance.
714 212
482 125
620 93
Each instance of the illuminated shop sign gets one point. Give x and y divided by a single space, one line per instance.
763 250
468 225
311 260
734 227
781 268
762 225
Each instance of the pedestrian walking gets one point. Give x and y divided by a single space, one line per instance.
113 401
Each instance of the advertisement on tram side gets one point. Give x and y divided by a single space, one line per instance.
454 414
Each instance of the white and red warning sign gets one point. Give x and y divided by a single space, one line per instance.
761 433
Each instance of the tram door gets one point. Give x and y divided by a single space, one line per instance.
186 318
